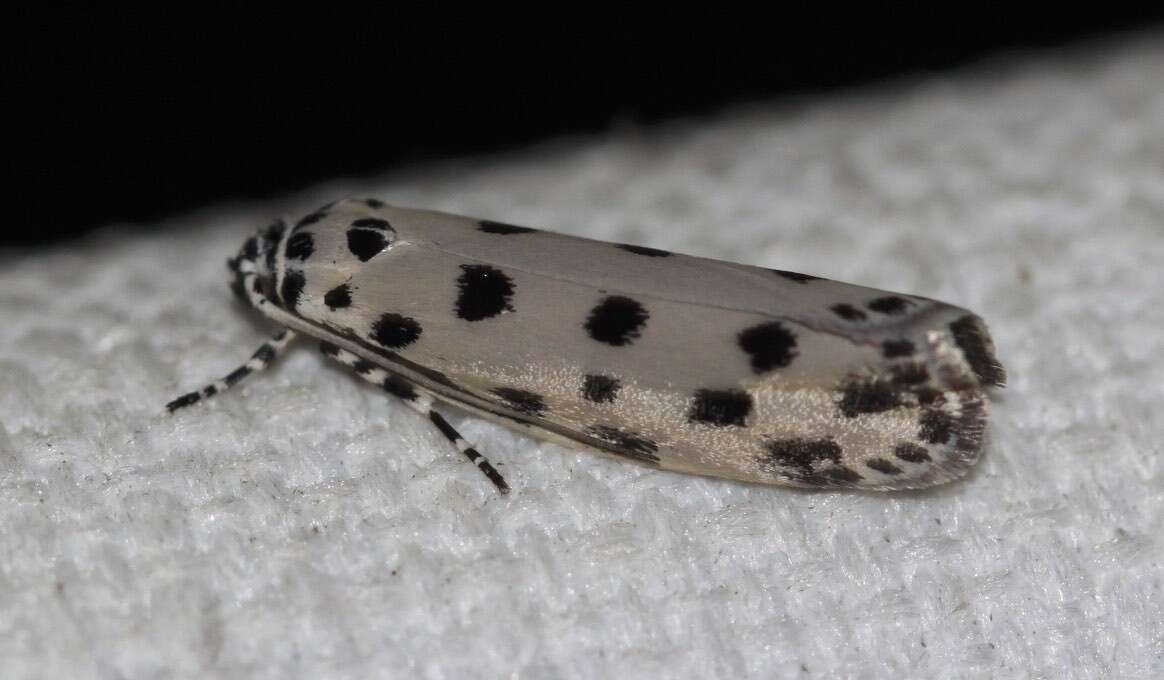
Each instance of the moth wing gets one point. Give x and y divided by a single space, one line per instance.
686 363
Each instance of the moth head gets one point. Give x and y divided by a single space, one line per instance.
257 259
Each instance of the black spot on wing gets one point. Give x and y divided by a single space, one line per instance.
367 243
803 454
848 312
890 304
883 466
911 453
600 389
292 288
837 475
970 335
502 229
720 407
813 462
395 331
892 349
912 373
300 246
936 426
374 203
522 401
628 444
338 297
616 321
329 348
795 276
769 345
484 292
643 250
867 397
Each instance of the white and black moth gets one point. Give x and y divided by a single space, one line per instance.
678 362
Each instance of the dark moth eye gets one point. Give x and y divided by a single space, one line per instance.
369 236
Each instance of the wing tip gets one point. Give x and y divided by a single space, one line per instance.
972 337
951 435
951 428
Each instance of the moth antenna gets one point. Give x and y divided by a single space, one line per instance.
261 359
419 402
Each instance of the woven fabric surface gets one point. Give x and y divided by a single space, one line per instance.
307 525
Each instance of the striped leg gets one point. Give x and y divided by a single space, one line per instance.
420 402
261 359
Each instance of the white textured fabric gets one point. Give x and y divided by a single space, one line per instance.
308 525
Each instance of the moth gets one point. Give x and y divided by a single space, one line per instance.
681 363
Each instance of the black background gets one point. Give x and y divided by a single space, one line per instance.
133 119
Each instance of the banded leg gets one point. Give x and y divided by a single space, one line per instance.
420 402
261 359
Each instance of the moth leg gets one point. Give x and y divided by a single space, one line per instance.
261 359
419 402
424 405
